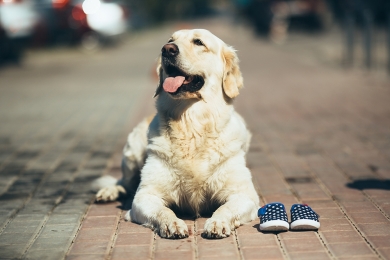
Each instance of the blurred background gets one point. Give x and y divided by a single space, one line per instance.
356 31
77 75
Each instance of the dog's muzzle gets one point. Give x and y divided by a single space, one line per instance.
177 81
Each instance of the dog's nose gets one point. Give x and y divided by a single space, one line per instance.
170 50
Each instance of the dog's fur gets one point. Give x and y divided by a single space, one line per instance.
191 155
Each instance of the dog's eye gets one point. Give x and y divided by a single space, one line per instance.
198 42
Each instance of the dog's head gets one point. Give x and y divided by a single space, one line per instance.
195 64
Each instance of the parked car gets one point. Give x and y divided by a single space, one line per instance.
18 20
57 24
85 21
106 19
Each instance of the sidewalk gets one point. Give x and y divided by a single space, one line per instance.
321 136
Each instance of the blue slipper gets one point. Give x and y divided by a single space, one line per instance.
304 218
273 217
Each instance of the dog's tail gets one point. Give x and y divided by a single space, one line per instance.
103 182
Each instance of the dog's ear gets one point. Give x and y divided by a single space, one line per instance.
232 79
160 77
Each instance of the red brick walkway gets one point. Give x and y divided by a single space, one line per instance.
320 136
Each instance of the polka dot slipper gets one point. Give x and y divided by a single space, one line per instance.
304 218
273 217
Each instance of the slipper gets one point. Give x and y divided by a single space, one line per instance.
273 217
304 218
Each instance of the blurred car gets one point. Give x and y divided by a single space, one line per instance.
106 19
17 23
86 21
56 23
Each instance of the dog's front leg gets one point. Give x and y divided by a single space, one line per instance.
150 210
238 209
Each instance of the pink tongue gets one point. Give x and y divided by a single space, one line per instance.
171 84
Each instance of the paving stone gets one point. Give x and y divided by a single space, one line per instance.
101 221
309 191
15 238
351 249
86 257
11 251
59 230
89 247
33 217
222 250
342 236
246 228
173 254
45 254
262 253
306 235
216 257
303 244
380 241
38 206
331 213
385 251
129 227
104 210
6 213
79 208
331 225
23 227
96 233
13 197
136 239
63 219
360 258
57 243
309 255
373 229
374 217
256 240
49 241
168 245
132 252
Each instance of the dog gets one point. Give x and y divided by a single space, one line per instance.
190 157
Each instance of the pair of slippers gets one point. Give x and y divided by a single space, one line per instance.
273 217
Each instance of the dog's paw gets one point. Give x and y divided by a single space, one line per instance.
128 216
174 229
110 193
216 228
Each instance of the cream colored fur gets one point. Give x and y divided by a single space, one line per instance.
196 146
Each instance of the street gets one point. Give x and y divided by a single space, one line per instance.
321 136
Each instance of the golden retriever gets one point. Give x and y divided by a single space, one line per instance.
191 154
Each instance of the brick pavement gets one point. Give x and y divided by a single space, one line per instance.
321 136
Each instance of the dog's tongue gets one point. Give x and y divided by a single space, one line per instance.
171 84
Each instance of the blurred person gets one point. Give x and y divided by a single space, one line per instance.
362 16
358 11
260 14
279 23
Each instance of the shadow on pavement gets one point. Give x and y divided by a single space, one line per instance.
369 184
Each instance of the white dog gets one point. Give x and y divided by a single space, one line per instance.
191 154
